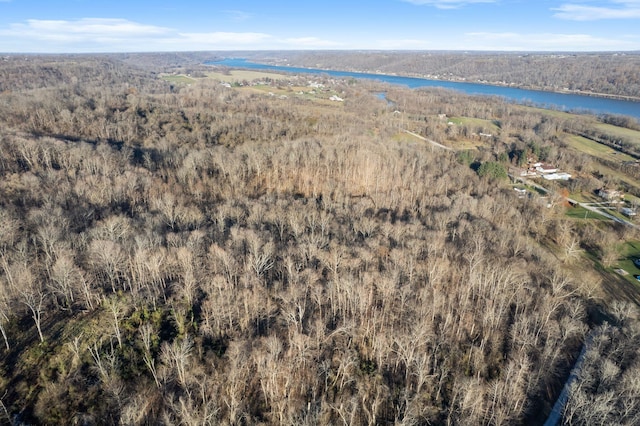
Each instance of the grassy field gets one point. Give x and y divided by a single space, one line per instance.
487 125
629 251
465 144
632 136
585 197
549 112
477 123
241 75
582 213
179 79
596 149
615 174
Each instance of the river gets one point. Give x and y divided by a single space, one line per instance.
551 100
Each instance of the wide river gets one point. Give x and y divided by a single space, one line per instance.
562 101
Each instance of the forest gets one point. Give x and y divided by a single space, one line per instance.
207 253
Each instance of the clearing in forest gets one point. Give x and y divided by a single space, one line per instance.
245 75
596 149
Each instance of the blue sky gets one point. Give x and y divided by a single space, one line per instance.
54 26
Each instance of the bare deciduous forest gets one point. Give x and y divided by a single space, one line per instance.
201 254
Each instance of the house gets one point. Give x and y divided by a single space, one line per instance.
610 194
628 212
545 168
556 176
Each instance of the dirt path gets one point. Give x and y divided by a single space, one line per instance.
432 142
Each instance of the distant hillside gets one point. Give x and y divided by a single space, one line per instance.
600 73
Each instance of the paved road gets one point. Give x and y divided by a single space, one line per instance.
589 206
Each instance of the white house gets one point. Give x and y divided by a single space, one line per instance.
556 176
545 168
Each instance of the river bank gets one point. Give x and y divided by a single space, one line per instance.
561 100
483 82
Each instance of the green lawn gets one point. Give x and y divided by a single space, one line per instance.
629 251
617 214
585 197
582 213
632 199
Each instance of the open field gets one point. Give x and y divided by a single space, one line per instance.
464 144
580 212
301 92
630 135
628 252
549 112
241 75
615 174
180 79
596 149
487 125
622 132
585 197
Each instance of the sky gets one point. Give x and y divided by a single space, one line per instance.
89 26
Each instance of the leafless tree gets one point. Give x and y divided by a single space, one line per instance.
175 356
147 332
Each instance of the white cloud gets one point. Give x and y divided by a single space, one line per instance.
81 30
120 35
615 9
448 4
238 15
95 26
546 42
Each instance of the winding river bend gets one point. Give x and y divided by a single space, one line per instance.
552 100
